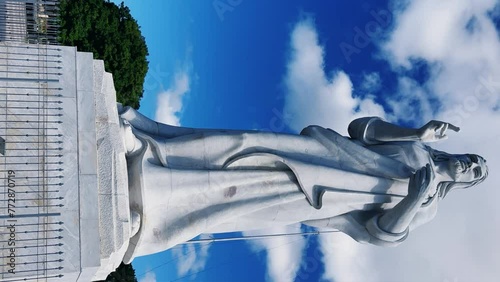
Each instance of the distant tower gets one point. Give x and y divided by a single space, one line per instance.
29 21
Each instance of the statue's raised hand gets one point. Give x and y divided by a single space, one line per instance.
421 183
435 130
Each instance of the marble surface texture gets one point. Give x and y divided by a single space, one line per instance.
88 167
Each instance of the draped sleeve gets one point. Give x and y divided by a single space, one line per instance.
358 128
363 227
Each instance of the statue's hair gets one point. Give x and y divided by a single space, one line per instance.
446 186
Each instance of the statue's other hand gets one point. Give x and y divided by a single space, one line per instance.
420 183
435 130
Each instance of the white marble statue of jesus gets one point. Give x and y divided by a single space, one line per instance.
376 185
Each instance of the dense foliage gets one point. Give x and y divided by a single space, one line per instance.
124 273
110 32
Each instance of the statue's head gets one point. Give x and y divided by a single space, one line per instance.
466 170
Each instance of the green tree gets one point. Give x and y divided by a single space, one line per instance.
113 35
124 273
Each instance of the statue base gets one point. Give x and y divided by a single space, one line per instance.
63 147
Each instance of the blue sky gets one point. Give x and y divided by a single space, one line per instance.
267 65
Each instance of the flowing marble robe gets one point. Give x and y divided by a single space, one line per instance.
184 182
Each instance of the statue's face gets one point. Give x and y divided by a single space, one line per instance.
467 168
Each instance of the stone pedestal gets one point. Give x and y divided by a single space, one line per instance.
114 212
63 150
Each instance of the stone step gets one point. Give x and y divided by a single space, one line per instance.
114 213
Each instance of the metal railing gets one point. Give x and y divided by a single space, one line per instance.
31 167
31 142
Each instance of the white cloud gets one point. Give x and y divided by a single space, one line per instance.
437 32
191 258
169 102
284 254
313 96
371 82
411 103
344 260
149 277
459 41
